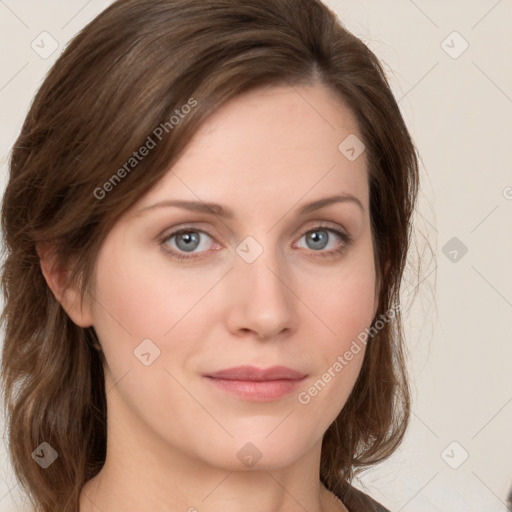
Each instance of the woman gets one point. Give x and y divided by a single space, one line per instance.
206 221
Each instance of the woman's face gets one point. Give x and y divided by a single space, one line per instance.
272 283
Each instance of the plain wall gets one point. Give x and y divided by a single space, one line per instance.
458 107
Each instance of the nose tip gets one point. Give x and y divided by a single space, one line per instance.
261 301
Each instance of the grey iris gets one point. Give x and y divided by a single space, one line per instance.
190 238
319 239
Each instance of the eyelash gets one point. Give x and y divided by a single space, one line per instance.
346 238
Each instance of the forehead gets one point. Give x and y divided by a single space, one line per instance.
272 144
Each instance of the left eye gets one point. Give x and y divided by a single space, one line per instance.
187 240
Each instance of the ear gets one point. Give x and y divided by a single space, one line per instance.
56 278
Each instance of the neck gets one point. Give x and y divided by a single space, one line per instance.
143 472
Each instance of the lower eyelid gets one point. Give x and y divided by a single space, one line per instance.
345 240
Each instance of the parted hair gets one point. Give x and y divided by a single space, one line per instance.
122 76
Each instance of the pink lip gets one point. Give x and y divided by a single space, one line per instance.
257 374
255 384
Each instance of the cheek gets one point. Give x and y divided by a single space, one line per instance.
343 304
136 302
343 299
137 298
140 299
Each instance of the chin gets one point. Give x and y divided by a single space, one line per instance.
261 450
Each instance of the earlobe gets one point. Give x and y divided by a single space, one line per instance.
56 279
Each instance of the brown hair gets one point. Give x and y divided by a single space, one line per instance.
125 74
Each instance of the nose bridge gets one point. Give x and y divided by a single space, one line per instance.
262 259
263 299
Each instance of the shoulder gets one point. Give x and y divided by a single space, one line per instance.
358 501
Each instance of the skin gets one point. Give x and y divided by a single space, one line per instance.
173 438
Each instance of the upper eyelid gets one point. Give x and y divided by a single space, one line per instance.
328 225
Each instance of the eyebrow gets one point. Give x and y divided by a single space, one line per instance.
221 211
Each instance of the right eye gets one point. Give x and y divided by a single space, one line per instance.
185 240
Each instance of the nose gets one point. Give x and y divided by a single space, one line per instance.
261 298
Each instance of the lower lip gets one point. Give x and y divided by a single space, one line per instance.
257 391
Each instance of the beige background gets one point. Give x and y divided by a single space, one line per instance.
458 106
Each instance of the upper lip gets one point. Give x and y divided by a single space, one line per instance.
257 374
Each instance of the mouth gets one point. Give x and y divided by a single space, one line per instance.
255 384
